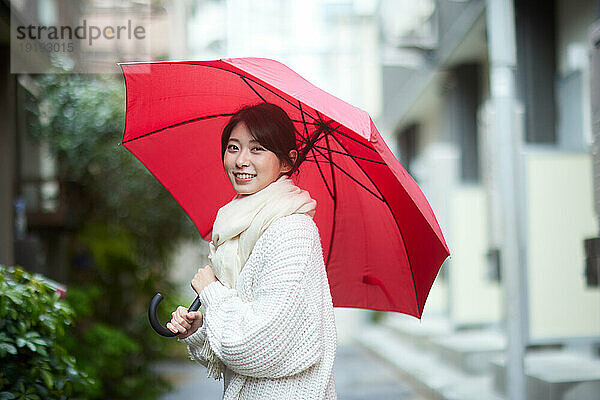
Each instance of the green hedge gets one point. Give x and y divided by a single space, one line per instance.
34 363
54 348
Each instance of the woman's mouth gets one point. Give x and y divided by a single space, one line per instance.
243 177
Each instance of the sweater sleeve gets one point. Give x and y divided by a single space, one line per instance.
195 343
280 332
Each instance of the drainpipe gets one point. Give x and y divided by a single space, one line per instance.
502 55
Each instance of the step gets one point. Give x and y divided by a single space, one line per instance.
555 375
425 369
471 350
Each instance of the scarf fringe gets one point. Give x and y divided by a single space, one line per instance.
215 367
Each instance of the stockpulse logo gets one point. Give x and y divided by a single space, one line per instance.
90 33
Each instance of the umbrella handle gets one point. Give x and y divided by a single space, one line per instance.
156 325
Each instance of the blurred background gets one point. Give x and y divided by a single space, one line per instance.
516 306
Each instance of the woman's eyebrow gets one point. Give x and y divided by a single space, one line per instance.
238 141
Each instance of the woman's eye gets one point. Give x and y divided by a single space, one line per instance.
232 147
258 148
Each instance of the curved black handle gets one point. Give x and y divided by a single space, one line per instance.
156 325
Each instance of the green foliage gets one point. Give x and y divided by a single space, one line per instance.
81 115
125 283
82 119
34 361
113 340
128 225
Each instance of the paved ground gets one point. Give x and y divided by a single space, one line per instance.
358 374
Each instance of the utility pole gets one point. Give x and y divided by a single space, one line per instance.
502 55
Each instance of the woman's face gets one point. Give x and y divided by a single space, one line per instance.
249 166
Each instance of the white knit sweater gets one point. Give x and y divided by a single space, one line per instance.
275 332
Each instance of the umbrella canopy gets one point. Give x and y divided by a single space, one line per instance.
381 242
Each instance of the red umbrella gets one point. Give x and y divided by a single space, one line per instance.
382 244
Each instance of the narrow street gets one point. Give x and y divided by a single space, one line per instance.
359 376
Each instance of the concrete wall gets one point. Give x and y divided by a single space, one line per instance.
474 298
559 217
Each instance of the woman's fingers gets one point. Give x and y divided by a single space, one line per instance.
178 322
185 315
172 328
176 328
184 323
204 277
193 315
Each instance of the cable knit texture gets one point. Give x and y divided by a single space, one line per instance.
275 332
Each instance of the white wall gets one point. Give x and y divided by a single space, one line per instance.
559 217
436 172
474 298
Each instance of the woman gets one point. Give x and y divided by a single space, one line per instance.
268 326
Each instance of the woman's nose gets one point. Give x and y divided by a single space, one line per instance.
242 159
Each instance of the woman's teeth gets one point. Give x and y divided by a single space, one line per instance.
244 176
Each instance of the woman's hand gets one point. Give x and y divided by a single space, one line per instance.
184 323
204 277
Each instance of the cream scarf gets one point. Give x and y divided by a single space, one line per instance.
238 226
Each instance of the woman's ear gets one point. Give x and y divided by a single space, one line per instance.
293 156
285 167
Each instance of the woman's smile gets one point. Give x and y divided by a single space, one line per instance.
250 167
242 177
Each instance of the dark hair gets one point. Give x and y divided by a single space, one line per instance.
270 126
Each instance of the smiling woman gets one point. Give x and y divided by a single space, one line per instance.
256 153
249 166
268 326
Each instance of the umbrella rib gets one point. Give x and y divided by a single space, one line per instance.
189 121
351 155
323 176
343 134
351 177
397 225
303 121
320 119
328 131
334 205
307 143
326 128
261 85
254 90
357 141
250 79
